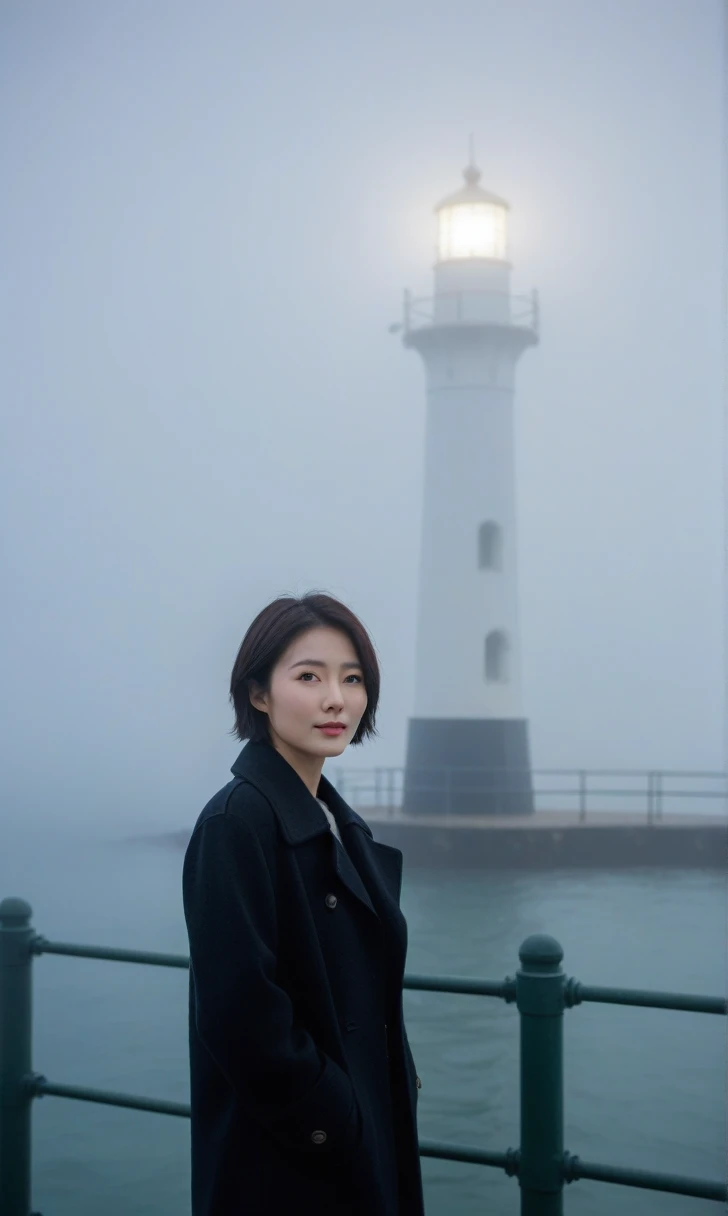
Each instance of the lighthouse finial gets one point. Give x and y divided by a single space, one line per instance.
472 173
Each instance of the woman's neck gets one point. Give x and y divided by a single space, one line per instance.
307 767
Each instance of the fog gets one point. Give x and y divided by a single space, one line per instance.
208 216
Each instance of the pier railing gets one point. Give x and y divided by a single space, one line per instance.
540 990
648 792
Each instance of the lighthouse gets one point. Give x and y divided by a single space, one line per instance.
467 742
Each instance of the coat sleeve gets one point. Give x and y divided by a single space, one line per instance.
244 1019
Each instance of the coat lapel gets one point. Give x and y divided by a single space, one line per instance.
379 865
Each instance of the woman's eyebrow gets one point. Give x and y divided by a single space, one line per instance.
319 663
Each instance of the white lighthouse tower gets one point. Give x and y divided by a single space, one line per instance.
467 746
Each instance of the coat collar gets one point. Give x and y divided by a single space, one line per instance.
298 811
370 869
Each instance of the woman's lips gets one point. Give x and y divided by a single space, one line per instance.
331 730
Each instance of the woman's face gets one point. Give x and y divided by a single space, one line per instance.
318 680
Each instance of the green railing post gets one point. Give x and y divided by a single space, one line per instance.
16 959
540 1001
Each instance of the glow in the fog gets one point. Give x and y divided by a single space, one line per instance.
472 230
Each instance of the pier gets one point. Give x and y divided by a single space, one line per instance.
593 819
550 840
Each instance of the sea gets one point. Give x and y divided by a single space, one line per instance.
643 1088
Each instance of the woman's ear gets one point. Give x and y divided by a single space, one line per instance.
258 698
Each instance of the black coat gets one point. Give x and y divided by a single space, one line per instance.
303 1086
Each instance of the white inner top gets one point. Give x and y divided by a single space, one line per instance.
332 822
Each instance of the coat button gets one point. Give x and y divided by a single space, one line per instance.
418 1083
318 1137
331 901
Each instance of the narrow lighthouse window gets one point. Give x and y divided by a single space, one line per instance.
496 657
490 546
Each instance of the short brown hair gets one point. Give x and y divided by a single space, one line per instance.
270 635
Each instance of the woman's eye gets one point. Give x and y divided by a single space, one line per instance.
304 674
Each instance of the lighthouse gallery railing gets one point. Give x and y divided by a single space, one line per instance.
466 307
540 991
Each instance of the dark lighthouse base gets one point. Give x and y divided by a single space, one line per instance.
467 766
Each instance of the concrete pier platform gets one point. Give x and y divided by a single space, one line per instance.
553 839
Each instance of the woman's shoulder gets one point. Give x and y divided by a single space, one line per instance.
233 841
239 809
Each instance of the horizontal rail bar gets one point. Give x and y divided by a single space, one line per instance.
574 1167
674 1184
40 1087
41 945
708 774
540 791
576 992
686 772
506 989
679 793
686 1002
471 291
537 793
468 1153
371 782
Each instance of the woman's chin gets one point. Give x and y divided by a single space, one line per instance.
331 747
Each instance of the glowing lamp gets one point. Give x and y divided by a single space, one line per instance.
472 223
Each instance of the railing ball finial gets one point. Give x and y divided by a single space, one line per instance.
540 950
14 912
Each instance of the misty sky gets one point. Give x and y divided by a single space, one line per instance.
208 216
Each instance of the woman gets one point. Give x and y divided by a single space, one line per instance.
303 1086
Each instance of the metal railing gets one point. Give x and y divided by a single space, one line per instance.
639 791
467 307
540 991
